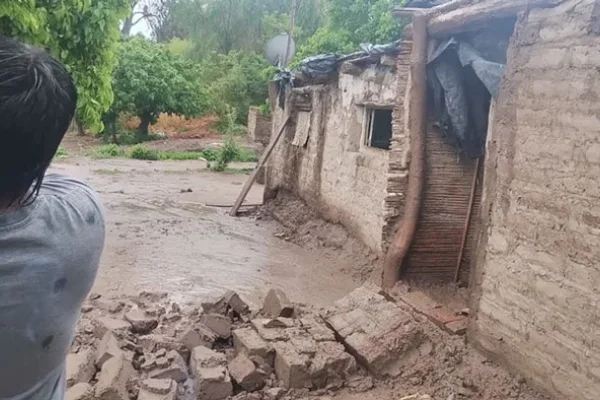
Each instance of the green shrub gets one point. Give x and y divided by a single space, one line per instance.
61 153
141 152
210 154
228 153
106 151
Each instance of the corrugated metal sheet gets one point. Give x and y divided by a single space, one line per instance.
446 196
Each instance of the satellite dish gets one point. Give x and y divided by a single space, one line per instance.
278 47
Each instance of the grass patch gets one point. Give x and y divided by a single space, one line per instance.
61 153
106 151
141 152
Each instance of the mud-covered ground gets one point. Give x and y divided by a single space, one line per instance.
160 236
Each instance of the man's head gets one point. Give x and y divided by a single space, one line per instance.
37 104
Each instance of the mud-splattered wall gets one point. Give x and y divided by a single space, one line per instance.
335 172
538 280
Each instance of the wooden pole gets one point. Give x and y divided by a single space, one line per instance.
463 241
417 128
261 163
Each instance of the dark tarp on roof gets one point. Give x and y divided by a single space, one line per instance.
461 82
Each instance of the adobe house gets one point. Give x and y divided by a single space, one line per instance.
520 222
337 153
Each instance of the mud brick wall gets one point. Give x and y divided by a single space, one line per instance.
259 126
336 173
538 278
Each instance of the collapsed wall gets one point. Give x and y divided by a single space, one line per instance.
537 274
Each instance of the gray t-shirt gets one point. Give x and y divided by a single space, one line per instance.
49 256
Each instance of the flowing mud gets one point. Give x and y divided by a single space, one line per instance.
163 235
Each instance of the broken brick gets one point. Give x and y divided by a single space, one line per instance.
158 389
248 341
246 374
113 378
277 304
80 367
331 365
236 303
382 336
201 336
212 380
176 371
106 324
107 349
269 334
140 323
219 324
290 367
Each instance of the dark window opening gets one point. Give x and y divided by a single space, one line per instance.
379 129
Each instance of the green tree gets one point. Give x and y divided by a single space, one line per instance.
83 34
150 80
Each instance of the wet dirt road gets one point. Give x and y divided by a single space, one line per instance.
161 239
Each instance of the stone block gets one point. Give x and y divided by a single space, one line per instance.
277 304
212 379
80 391
248 341
175 370
331 365
158 389
290 367
200 336
269 334
380 334
236 303
80 367
219 324
113 378
246 374
107 349
105 324
140 322
213 383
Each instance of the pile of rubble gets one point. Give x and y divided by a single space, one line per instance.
147 348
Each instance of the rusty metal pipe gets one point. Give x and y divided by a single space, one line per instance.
417 124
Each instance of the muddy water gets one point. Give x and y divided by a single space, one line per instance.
159 238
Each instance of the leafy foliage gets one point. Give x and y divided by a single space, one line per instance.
150 80
83 34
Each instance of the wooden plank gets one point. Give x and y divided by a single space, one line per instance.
479 15
261 163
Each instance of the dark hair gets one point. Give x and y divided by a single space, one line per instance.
37 104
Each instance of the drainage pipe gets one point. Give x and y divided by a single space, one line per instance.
416 117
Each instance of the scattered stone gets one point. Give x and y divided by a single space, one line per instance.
113 378
269 334
246 374
116 307
331 366
277 304
275 393
360 384
248 341
94 296
161 353
140 323
290 367
107 349
219 324
162 362
80 367
280 323
201 336
158 389
177 370
86 309
382 336
417 397
316 327
236 303
105 324
212 380
80 391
